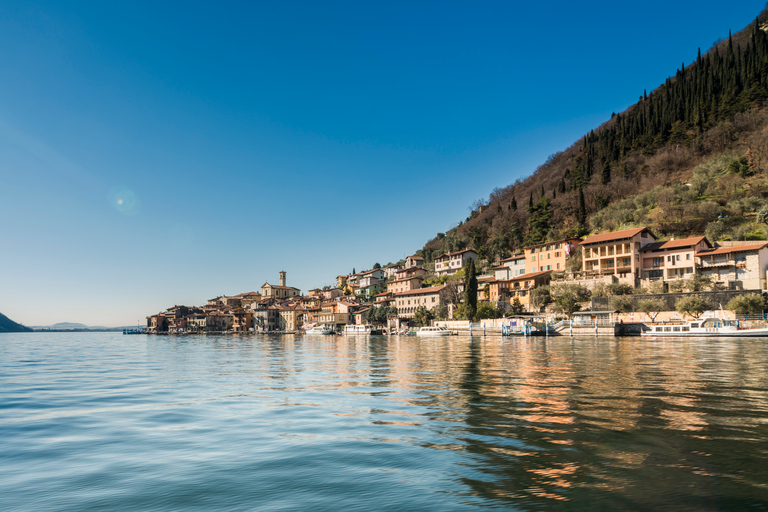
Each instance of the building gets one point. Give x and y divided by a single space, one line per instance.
522 286
414 261
615 254
391 269
549 256
404 285
407 302
739 267
511 267
289 318
451 262
242 320
279 292
671 260
410 272
264 317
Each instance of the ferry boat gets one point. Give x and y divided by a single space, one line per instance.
361 330
705 327
433 331
320 329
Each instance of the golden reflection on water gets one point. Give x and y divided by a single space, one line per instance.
546 419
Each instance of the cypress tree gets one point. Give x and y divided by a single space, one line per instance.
470 291
513 204
581 215
530 201
605 176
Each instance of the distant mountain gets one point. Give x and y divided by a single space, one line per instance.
8 325
71 326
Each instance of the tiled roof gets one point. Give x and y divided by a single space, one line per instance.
420 291
449 254
615 235
674 244
738 248
530 276
405 279
576 239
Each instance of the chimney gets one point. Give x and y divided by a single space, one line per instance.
282 278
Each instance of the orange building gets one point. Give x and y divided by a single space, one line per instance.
550 255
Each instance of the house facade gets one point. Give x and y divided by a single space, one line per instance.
738 267
615 254
671 260
452 262
407 302
549 256
404 285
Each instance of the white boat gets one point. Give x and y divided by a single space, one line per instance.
320 329
361 330
433 331
704 327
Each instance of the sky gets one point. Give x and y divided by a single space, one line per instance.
163 153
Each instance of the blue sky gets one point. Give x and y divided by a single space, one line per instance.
153 155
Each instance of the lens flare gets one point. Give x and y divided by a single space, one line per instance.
124 200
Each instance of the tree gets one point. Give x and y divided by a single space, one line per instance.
698 283
620 289
693 306
652 307
581 214
516 308
422 316
762 215
486 310
440 312
567 298
538 221
622 303
540 297
605 176
752 304
470 291
513 204
376 266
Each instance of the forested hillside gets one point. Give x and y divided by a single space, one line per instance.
8 325
689 157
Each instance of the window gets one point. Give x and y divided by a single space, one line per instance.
688 256
669 258
557 254
557 246
533 258
678 257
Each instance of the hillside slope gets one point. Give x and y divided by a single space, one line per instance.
8 325
690 157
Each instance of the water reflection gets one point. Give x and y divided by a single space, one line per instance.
391 422
544 423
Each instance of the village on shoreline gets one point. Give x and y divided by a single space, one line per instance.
620 277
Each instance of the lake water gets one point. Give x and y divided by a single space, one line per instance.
103 421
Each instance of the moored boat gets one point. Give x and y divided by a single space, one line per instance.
320 329
433 331
361 330
705 327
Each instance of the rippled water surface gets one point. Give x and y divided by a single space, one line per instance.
111 422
